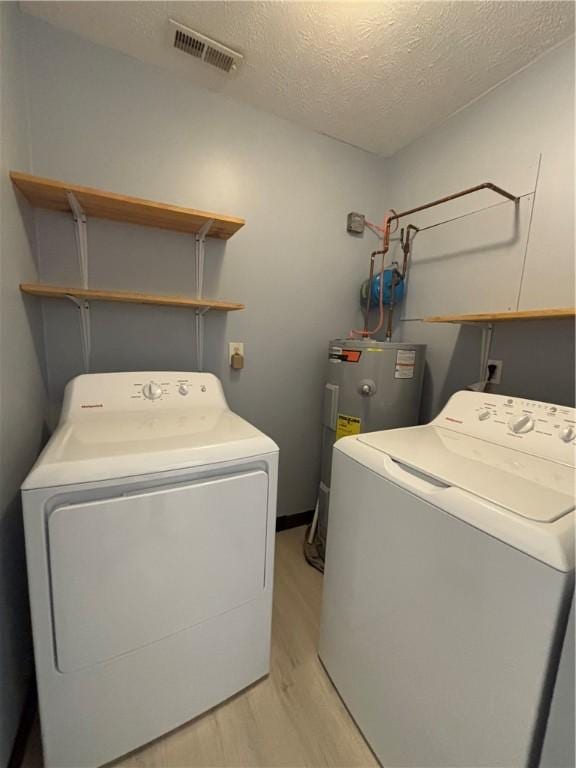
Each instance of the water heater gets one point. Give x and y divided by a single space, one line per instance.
370 385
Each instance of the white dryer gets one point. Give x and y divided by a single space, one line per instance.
149 521
448 582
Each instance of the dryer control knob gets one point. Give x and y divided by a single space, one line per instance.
152 391
183 389
521 424
483 415
567 434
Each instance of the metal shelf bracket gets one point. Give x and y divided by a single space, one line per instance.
485 346
487 334
81 239
83 307
199 257
80 232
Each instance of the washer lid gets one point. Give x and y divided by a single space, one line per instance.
529 486
113 445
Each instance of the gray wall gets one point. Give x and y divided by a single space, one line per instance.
520 136
103 119
96 117
21 385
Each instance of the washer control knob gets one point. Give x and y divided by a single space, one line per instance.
483 415
509 401
183 389
567 434
521 424
152 391
552 409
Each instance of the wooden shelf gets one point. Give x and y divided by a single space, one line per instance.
51 194
130 297
503 317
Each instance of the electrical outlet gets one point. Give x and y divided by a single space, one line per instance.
496 377
235 347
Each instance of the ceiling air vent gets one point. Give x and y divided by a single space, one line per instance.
204 48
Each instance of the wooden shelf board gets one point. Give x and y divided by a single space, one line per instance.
130 297
502 317
51 194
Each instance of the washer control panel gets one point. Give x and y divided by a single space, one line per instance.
542 429
155 390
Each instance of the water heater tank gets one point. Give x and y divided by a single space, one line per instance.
370 385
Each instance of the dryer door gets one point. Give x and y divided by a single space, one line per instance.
128 571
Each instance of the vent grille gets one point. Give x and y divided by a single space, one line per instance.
218 59
188 44
202 47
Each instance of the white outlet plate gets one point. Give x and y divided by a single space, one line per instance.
497 378
233 347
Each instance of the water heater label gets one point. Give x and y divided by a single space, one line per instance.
345 355
347 425
405 363
334 354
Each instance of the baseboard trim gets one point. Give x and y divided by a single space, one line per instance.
286 522
23 732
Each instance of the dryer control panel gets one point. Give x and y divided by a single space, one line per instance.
541 429
141 390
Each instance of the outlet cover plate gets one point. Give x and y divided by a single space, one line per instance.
233 347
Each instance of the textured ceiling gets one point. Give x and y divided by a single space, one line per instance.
376 74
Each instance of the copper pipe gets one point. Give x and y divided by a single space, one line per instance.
367 311
365 333
385 247
455 196
406 245
391 309
385 229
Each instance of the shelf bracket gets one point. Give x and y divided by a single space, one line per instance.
485 346
81 238
487 333
199 336
199 256
83 307
80 231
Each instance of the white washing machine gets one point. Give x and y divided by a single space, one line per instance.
149 520
448 582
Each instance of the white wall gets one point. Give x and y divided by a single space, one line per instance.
21 385
521 137
100 118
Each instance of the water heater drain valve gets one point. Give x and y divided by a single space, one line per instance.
367 387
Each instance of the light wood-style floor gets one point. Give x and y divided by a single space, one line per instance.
292 718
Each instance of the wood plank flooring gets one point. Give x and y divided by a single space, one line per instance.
292 718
